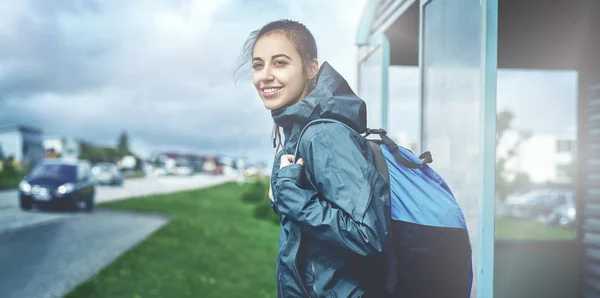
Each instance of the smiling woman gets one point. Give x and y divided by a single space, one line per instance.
326 245
284 64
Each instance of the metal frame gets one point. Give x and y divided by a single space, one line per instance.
367 18
378 41
487 218
398 8
421 76
385 47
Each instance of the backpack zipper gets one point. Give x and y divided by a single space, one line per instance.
296 269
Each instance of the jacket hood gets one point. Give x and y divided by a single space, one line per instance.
332 98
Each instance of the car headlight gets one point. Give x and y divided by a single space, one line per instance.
65 189
24 186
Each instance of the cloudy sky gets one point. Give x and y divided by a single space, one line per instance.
163 71
160 69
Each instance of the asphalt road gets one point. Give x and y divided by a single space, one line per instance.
11 217
47 253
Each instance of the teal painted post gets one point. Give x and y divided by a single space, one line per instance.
385 48
489 66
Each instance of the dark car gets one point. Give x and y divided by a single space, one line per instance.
58 183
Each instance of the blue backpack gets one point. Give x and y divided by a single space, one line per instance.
430 252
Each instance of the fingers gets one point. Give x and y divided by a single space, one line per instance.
288 159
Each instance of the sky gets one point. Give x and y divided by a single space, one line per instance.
162 70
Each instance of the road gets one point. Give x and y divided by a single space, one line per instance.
46 254
11 217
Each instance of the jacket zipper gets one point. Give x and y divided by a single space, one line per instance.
296 269
280 294
312 264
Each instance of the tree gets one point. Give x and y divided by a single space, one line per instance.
503 124
506 183
123 142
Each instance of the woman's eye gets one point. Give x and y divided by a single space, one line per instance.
280 62
256 65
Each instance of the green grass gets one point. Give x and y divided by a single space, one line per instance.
212 247
134 175
507 228
10 181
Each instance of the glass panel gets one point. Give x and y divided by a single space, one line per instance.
536 154
371 87
404 106
451 101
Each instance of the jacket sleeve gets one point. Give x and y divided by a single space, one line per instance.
350 205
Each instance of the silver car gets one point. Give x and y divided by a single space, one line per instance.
106 173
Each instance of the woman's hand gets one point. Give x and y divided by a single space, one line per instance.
287 160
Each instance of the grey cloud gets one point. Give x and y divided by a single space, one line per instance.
37 56
162 70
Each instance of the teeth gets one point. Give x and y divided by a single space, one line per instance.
270 90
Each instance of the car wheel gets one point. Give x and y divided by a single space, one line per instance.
74 205
90 205
26 205
564 222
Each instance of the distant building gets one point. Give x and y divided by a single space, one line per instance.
545 158
171 161
23 143
67 147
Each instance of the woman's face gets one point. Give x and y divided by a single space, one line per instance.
277 72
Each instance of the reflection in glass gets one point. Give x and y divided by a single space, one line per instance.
451 101
404 107
536 154
371 87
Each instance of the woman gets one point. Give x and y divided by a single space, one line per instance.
332 203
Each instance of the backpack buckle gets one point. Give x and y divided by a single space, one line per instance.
426 157
377 131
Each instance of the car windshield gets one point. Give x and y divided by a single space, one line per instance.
104 167
54 171
538 197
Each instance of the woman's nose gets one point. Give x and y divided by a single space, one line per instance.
267 75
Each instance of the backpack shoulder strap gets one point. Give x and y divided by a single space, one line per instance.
380 162
425 157
320 120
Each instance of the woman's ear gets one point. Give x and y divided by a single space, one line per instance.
314 68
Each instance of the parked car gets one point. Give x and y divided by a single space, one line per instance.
106 173
564 216
59 183
537 203
183 167
184 171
